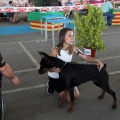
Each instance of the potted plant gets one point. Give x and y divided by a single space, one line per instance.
89 30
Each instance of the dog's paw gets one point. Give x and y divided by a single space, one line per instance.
70 109
101 97
114 106
105 65
61 104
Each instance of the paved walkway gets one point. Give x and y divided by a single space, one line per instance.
30 101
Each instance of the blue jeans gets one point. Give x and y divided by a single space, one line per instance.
110 16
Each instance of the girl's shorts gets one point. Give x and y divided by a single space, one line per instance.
56 84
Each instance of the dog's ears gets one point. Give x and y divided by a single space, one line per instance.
43 55
40 52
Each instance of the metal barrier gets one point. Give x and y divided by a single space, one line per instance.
105 18
47 17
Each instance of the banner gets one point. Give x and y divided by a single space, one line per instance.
16 2
46 9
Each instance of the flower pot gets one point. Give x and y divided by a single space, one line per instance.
90 52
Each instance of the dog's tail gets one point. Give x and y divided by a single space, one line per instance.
105 65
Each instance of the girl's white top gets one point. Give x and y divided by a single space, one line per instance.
63 56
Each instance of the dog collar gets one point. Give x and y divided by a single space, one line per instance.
64 65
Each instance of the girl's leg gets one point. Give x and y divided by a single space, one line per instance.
76 94
50 89
10 19
61 94
64 94
14 18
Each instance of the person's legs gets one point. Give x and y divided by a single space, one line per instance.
1 97
55 84
71 13
68 14
59 3
10 19
50 89
16 17
110 16
10 16
76 92
14 20
66 95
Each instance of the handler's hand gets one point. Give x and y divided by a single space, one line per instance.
99 65
54 70
15 80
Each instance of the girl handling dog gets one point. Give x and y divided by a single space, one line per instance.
64 50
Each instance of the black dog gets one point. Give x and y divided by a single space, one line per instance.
74 74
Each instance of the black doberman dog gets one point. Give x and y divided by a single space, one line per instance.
73 74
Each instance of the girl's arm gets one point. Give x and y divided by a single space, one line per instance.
88 58
54 54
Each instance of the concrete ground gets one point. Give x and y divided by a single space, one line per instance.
30 101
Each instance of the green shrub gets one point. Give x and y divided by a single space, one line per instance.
89 28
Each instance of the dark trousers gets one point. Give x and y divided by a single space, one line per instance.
110 16
59 4
0 97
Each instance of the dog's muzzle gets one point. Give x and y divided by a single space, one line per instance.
42 71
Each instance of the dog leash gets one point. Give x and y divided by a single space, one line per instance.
63 65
